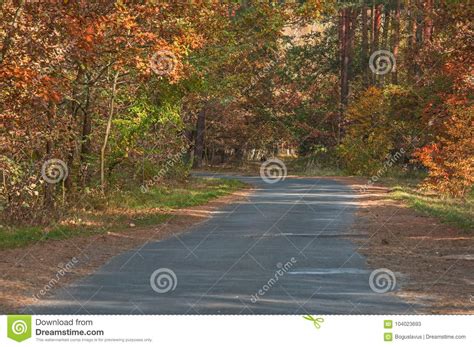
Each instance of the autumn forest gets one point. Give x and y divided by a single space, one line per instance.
99 98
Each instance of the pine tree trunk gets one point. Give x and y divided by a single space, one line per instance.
348 20
344 30
377 20
418 35
365 47
377 23
396 40
386 27
343 68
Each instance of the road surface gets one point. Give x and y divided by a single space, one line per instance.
284 250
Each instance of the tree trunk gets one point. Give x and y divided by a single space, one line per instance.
107 133
377 23
343 68
377 17
189 134
49 188
352 20
348 19
86 129
75 108
200 132
396 40
371 29
239 154
365 47
418 35
428 22
344 55
386 27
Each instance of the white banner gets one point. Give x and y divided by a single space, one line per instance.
142 330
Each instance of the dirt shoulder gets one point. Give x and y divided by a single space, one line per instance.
437 260
33 272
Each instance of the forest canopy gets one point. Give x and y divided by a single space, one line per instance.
104 95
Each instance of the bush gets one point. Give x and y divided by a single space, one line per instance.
369 136
450 159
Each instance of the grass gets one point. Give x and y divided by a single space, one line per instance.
452 211
195 192
123 209
455 212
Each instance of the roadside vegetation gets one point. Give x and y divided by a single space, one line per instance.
122 210
457 212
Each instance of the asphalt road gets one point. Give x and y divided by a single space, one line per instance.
284 250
